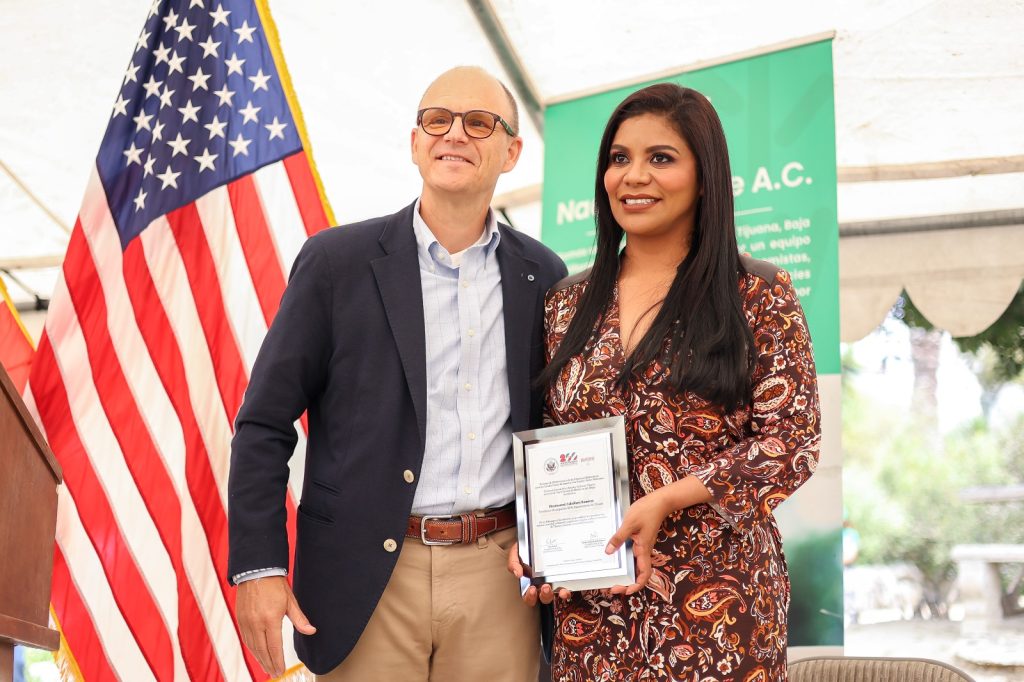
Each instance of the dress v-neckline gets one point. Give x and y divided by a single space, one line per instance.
616 327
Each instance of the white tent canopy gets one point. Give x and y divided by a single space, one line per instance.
932 89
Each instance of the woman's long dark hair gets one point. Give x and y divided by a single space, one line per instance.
710 349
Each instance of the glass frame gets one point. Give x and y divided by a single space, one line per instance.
462 115
614 429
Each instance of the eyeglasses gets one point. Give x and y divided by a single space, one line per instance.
477 123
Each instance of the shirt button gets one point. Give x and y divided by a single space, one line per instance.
408 476
471 436
390 545
465 284
471 332
468 386
467 490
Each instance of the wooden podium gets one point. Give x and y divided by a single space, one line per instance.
29 475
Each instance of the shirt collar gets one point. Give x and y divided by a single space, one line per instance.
428 246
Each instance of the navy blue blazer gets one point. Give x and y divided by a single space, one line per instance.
348 345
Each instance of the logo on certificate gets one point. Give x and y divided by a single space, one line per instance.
550 464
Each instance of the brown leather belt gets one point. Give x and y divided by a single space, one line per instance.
460 528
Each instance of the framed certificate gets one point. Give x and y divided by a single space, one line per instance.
572 492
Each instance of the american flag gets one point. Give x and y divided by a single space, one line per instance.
202 193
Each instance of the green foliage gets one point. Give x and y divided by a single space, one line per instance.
1012 445
902 488
37 656
1004 338
904 309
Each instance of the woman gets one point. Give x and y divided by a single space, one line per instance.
707 356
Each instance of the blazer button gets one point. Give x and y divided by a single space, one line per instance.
408 476
390 545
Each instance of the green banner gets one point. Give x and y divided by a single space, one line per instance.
779 118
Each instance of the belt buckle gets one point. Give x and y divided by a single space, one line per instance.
436 517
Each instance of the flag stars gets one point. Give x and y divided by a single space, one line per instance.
209 47
143 42
225 95
185 29
165 97
196 3
169 178
249 113
240 145
147 168
216 127
259 81
188 112
179 145
205 160
140 201
245 32
131 74
234 64
199 79
153 9
175 63
220 16
120 107
152 86
161 54
170 20
276 128
133 155
142 121
158 131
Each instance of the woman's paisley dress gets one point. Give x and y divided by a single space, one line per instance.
715 607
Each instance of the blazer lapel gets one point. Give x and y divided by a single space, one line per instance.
398 279
520 278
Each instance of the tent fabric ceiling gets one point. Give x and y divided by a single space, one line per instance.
916 81
960 280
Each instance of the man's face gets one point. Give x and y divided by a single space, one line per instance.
455 163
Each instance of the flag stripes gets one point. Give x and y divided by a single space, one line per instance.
307 195
147 466
197 260
254 234
77 625
140 371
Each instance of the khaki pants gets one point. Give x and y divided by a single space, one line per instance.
448 614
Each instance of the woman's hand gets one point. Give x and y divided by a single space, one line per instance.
642 522
545 594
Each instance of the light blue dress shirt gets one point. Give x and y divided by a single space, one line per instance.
466 459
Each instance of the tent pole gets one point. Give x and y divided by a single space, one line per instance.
491 24
952 221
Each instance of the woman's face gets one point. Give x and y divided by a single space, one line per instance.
651 179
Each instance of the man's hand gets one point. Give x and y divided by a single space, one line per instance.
545 594
261 606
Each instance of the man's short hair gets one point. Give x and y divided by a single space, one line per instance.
515 108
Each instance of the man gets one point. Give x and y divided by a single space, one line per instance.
412 341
